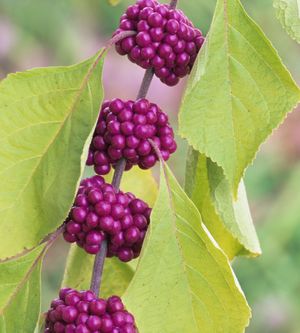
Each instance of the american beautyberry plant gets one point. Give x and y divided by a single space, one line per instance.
54 123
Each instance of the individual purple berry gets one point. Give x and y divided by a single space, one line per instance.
93 323
79 214
97 307
161 32
71 298
82 329
69 314
125 254
58 327
107 325
129 136
119 218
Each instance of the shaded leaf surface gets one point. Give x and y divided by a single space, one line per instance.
228 219
183 282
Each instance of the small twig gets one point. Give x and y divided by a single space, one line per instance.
146 83
120 167
156 150
173 4
54 234
98 268
101 255
118 37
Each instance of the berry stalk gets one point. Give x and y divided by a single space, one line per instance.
173 3
120 167
146 83
101 255
98 268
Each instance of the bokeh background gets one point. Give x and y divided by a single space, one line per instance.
37 33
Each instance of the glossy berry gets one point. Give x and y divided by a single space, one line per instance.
100 213
124 130
165 40
89 314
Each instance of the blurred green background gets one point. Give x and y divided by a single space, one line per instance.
59 32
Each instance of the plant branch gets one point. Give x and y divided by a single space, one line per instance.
98 268
118 37
146 83
120 167
101 255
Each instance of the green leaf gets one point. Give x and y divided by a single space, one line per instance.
238 93
228 220
20 283
46 118
183 282
114 2
78 273
140 182
117 275
288 13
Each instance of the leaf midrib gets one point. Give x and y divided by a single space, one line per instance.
83 84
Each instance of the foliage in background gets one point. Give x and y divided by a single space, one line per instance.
272 281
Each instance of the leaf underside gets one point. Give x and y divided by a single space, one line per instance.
228 220
288 13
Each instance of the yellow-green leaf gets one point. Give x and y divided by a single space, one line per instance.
114 2
140 182
228 219
47 116
183 282
20 292
238 93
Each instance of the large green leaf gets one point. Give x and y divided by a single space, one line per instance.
227 219
116 275
46 118
20 292
288 13
183 282
238 93
78 273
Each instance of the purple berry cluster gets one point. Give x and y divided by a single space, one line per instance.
102 213
166 40
123 131
83 312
